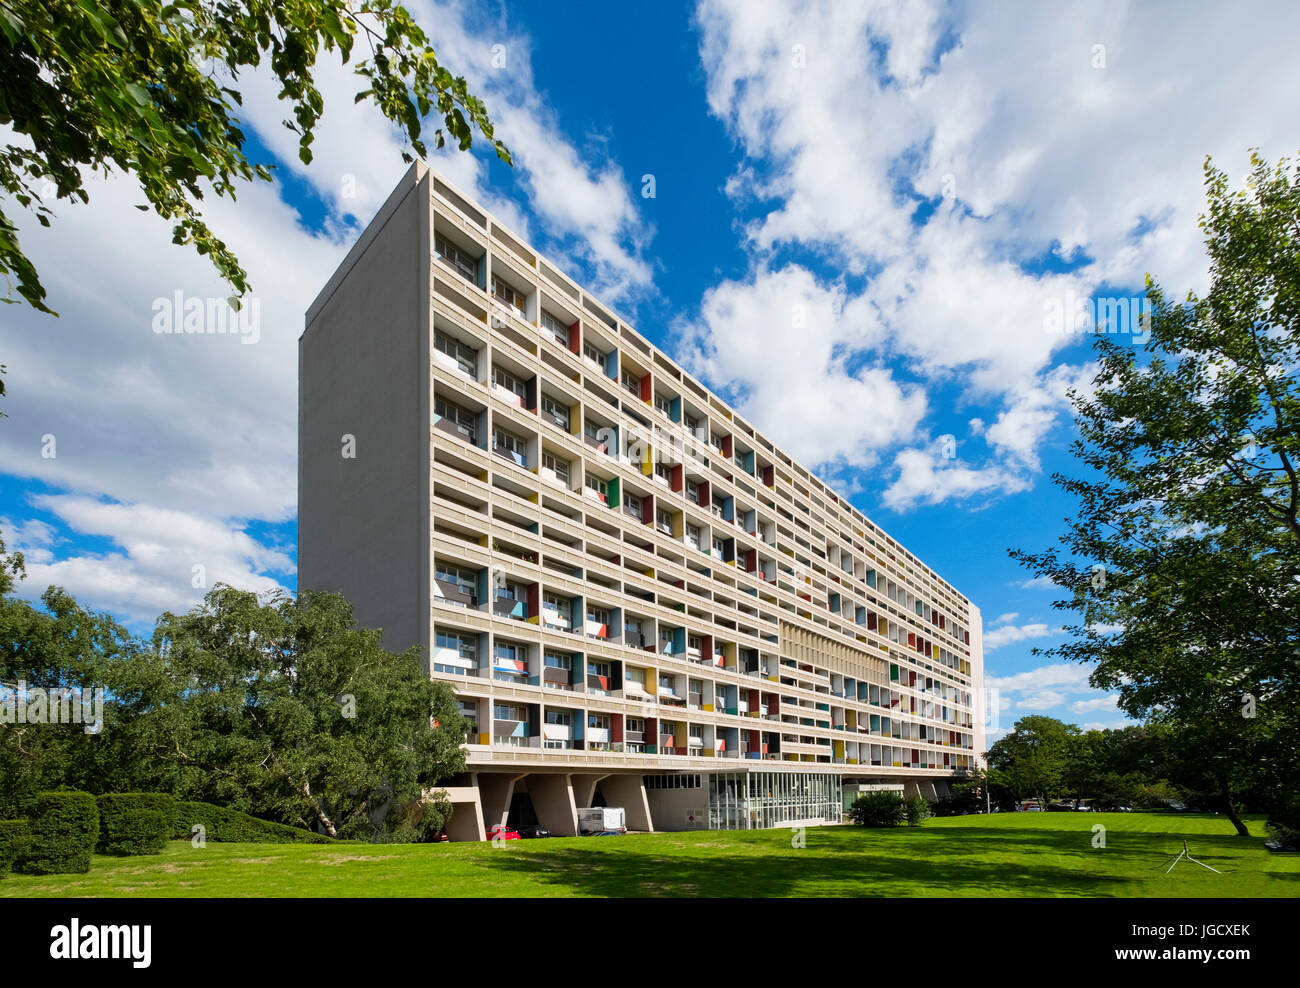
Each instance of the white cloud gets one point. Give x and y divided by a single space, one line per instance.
995 638
810 399
163 560
847 112
1108 704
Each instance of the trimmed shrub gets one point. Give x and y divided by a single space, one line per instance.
916 808
64 832
233 827
135 822
15 838
883 808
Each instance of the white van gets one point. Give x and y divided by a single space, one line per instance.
602 820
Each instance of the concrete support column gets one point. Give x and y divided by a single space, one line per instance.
628 791
552 797
466 820
584 788
495 791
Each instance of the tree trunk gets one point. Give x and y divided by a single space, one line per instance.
1226 795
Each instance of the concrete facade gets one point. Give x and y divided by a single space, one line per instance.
627 585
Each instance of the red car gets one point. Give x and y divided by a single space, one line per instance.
502 832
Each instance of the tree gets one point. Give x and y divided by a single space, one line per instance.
289 710
1032 758
278 707
1182 562
148 87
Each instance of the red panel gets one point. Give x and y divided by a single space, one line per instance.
575 343
968 638
648 508
615 727
769 476
533 602
727 447
871 621
676 479
911 639
704 503
646 385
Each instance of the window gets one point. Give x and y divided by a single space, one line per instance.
598 721
693 492
598 486
558 660
694 643
716 441
557 411
664 521
506 711
719 544
559 718
692 423
456 653
504 379
601 669
460 260
469 710
664 473
595 355
557 466
632 504
632 383
510 445
459 585
464 421
504 293
466 357
663 404
636 725
598 616
556 328
693 536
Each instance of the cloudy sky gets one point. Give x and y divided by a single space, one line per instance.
919 186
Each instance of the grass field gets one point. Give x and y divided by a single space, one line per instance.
1021 854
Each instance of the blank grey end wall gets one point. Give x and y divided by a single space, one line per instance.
363 373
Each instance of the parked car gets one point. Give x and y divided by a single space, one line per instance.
501 832
601 819
606 833
533 831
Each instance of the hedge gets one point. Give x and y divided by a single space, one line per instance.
231 826
64 832
135 822
15 838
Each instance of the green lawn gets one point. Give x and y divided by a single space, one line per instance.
1022 854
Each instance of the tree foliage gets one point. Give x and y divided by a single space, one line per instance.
150 88
1182 563
279 707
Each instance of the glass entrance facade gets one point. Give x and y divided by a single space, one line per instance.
759 800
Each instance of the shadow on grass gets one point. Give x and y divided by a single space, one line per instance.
852 863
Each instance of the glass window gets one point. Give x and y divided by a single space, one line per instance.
555 326
504 293
466 422
556 410
460 260
466 357
595 354
557 466
504 379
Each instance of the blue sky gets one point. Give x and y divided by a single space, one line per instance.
919 182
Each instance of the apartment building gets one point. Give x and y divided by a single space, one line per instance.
639 599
